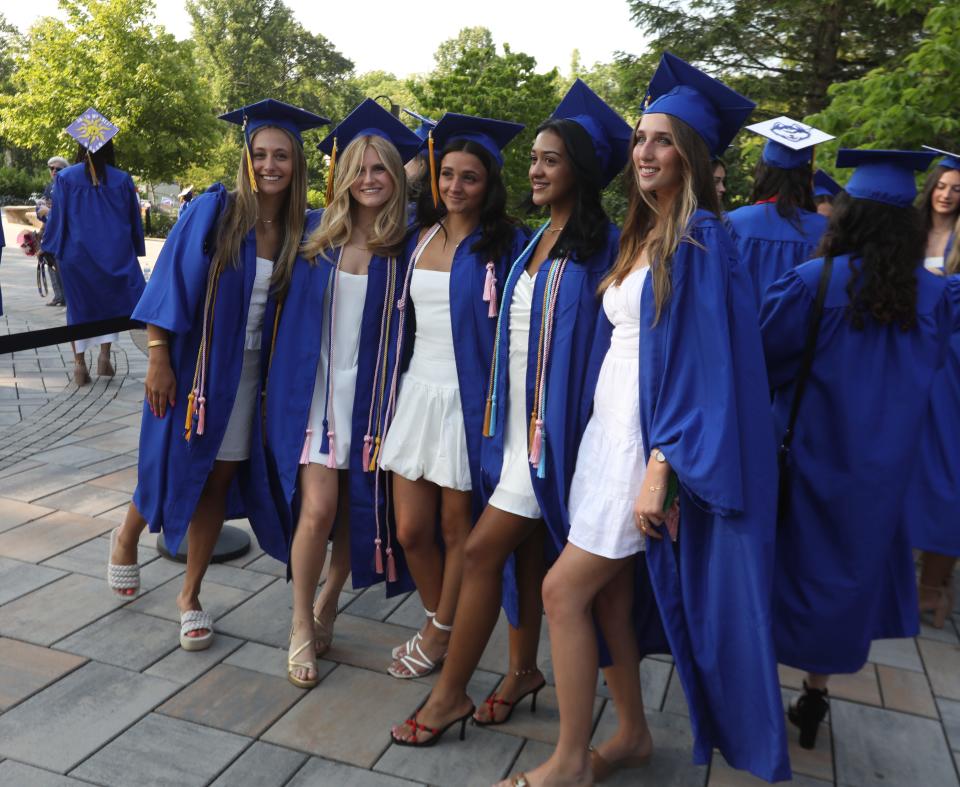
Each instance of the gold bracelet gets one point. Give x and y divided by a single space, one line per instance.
157 343
656 488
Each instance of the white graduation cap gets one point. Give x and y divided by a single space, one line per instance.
790 142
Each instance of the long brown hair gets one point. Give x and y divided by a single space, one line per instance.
336 225
662 233
925 198
951 265
240 216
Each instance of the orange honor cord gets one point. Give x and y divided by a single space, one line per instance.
333 164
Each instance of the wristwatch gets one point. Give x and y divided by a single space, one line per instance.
659 455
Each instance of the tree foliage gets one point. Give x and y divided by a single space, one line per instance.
110 55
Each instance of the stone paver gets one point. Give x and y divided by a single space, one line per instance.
16 773
55 533
322 773
262 765
184 667
18 578
25 669
125 639
15 512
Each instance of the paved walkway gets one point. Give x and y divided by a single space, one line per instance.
94 690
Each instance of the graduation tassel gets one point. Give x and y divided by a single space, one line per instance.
376 454
490 290
542 465
486 416
491 424
93 169
536 444
391 566
331 454
377 556
201 414
188 424
433 170
305 453
249 157
333 164
365 461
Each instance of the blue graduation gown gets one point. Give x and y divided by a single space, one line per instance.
770 245
172 471
704 402
95 234
844 568
290 385
569 400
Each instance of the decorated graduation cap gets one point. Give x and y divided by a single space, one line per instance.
709 107
789 142
92 130
608 131
884 175
368 119
824 185
949 160
426 124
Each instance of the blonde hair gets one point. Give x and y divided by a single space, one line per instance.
242 211
951 265
648 227
336 225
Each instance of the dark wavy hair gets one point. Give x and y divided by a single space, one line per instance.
585 232
496 227
106 155
925 197
793 188
889 242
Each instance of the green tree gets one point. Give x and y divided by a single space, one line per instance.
109 54
472 78
9 41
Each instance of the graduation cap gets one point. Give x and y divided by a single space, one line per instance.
789 142
92 130
705 104
884 175
824 185
608 131
949 160
368 119
426 124
270 112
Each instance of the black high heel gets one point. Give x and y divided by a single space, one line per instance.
493 700
436 733
807 712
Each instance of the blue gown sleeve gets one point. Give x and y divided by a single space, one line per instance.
953 295
136 223
55 229
784 323
172 296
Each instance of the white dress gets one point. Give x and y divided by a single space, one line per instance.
610 466
514 492
427 438
351 296
933 263
236 441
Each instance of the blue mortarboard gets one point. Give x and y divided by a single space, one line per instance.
426 124
824 185
884 175
949 160
492 135
370 119
92 130
610 133
708 106
271 112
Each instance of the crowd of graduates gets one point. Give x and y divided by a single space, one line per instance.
719 436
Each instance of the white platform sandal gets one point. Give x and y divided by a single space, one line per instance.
195 620
415 662
120 577
407 647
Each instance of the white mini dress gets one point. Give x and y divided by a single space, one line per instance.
610 462
351 296
933 263
236 441
427 438
514 493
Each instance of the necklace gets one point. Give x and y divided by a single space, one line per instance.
266 221
558 229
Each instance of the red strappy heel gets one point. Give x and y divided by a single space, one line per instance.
435 732
493 700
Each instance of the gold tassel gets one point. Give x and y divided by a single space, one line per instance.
249 157
433 170
188 426
93 169
533 427
333 164
376 454
486 417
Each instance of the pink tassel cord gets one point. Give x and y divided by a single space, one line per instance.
537 446
391 566
305 453
490 290
331 453
201 414
377 556
367 445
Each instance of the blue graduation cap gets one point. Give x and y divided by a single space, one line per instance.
426 124
884 175
92 130
824 185
949 160
271 112
705 104
368 118
609 132
790 143
492 135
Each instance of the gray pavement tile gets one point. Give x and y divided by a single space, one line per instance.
722 775
942 662
264 617
117 514
900 653
65 723
119 441
56 610
906 691
159 751
26 669
262 765
672 753
86 499
324 773
88 558
125 639
483 757
86 432
362 642
675 701
123 480
216 599
16 774
237 577
531 755
330 722
182 666
111 465
372 603
50 535
23 464
947 634
266 565
74 455
270 660
40 481
950 715
18 578
234 699
14 513
654 678
869 747
409 613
